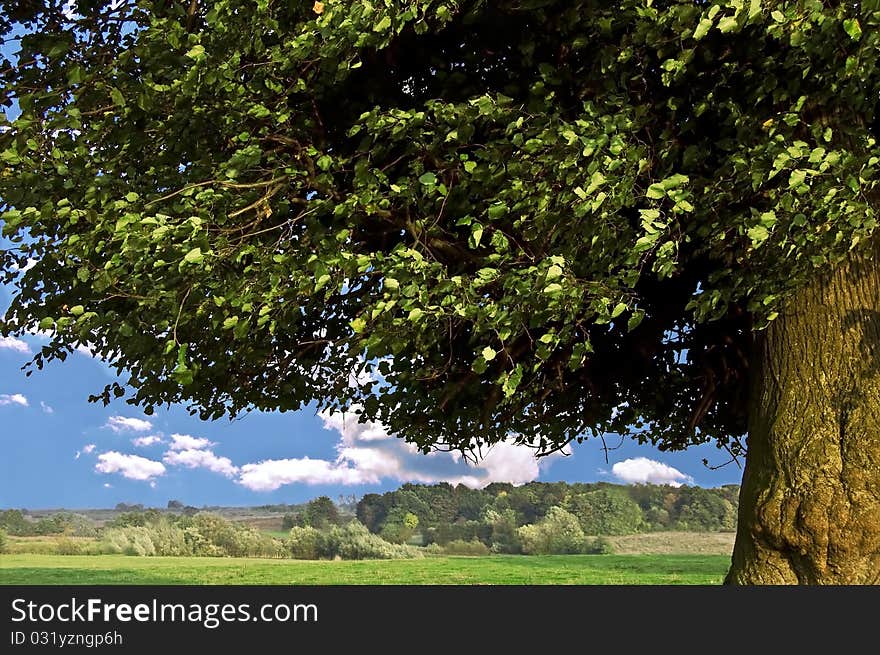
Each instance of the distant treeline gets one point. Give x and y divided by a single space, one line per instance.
443 513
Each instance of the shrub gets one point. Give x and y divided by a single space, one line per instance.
461 547
354 541
168 539
4 541
305 543
130 540
68 546
433 550
557 533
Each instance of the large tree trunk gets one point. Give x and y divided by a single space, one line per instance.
810 499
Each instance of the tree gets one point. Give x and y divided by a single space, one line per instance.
531 221
321 513
558 533
605 511
400 525
175 504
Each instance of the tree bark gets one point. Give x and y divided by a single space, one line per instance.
810 498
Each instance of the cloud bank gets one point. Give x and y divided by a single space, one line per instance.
366 454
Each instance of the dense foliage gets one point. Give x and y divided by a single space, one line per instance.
14 522
496 515
351 541
470 220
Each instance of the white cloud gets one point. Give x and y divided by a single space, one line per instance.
641 470
125 424
47 408
187 442
149 440
107 485
13 399
132 467
271 474
16 345
201 459
88 448
367 454
85 349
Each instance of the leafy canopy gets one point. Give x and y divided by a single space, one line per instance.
471 220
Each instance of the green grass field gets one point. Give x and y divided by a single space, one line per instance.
32 569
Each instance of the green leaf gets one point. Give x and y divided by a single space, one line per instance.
488 353
702 29
196 52
728 24
415 315
656 191
117 97
324 162
230 322
194 256
852 27
512 381
47 323
754 9
497 211
477 234
796 179
382 25
77 310
554 272
428 179
758 234
635 319
358 325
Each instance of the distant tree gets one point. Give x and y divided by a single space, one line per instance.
503 537
289 521
321 513
4 541
700 510
399 526
606 511
557 533
175 504
126 507
372 511
14 522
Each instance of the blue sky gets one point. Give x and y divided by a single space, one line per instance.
59 450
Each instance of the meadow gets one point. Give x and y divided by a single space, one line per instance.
35 569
